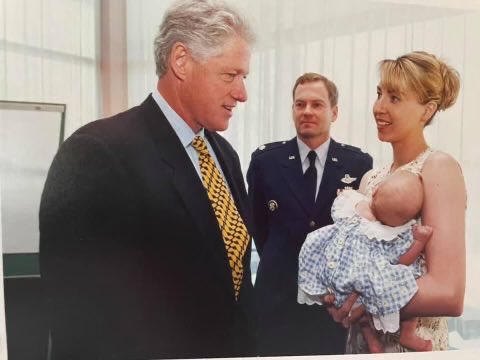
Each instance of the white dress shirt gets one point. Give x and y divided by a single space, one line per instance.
185 134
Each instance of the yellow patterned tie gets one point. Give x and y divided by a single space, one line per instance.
234 231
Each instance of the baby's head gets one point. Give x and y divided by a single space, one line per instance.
398 199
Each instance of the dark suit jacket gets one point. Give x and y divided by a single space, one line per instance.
131 255
282 219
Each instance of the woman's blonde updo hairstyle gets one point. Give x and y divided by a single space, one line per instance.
429 77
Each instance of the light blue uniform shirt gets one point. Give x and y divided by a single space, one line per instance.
321 151
185 134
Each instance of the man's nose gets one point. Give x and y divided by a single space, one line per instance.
307 109
239 93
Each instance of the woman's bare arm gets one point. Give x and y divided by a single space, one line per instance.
441 290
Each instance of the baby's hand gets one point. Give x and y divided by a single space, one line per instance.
422 233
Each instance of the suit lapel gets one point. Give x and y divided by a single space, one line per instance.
291 166
189 187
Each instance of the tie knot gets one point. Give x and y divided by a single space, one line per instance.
312 155
199 144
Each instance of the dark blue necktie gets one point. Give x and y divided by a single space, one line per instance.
311 177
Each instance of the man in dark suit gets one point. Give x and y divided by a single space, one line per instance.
292 185
136 261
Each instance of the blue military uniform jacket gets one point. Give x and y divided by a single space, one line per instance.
282 218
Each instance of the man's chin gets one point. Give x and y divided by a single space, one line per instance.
218 125
306 134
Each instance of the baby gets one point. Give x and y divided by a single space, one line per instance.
372 249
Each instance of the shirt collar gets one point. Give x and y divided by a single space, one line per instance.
321 151
183 131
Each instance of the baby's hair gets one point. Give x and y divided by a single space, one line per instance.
399 198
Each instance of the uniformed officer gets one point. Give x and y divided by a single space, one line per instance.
292 185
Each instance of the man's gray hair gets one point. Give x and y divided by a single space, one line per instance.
204 26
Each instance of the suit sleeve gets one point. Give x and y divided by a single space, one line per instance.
78 211
258 205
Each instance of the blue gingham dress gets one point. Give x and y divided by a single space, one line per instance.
356 254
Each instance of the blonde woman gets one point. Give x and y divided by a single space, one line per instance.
412 89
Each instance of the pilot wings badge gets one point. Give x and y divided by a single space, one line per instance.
347 179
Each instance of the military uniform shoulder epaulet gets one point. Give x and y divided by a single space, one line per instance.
351 148
267 147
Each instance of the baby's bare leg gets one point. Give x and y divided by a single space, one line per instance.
421 235
409 337
370 336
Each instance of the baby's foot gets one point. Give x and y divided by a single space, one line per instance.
415 342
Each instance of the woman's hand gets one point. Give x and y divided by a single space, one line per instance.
348 314
345 314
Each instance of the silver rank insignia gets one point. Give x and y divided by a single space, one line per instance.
261 147
347 179
334 159
291 157
272 205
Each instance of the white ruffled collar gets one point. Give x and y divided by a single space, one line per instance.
344 207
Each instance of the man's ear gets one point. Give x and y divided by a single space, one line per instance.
178 60
430 109
335 113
